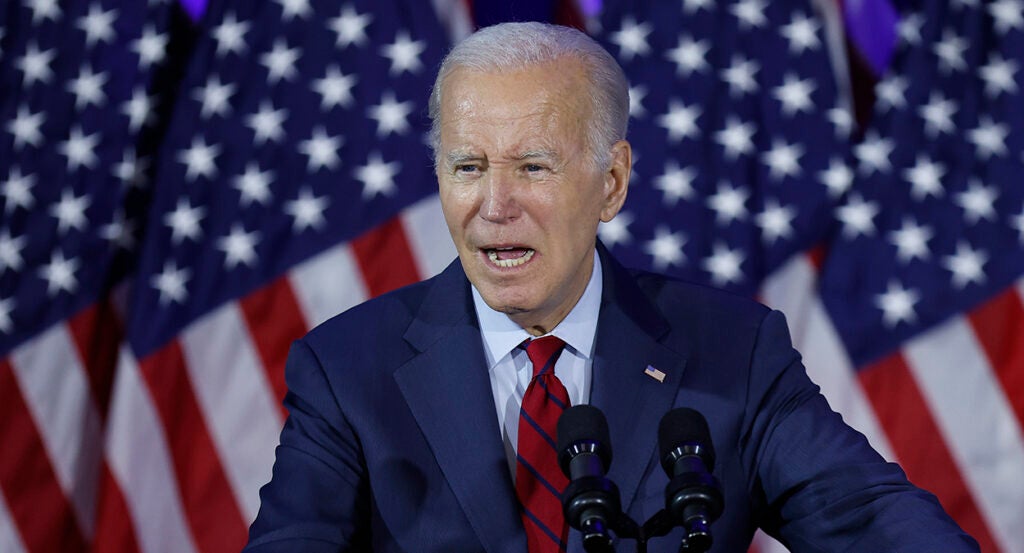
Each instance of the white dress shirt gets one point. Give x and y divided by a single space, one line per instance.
510 368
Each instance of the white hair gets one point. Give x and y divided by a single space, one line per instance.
513 46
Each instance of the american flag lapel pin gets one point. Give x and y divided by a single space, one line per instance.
654 373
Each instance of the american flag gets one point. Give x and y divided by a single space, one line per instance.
182 197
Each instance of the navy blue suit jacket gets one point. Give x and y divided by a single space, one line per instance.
392 442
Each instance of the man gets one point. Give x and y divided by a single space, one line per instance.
416 422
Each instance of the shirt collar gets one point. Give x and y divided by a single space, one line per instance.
501 335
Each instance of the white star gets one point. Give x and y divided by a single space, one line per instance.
335 88
724 265
736 138
350 27
280 62
230 35
321 149
60 274
795 95
783 160
616 231
666 248
10 252
292 8
131 171
184 221
998 76
675 183
631 38
911 241
17 191
897 304
404 54
691 6
25 127
775 221
989 138
88 88
740 76
750 13
6 306
44 8
151 47
239 247
171 283
98 25
636 99
139 109
254 185
214 97
938 115
199 159
680 121
307 210
873 154
689 55
728 203
857 217
802 33
391 115
36 65
978 202
926 178
967 265
1017 223
1008 14
950 51
267 123
890 92
842 121
79 149
837 178
910 28
70 211
377 177
119 231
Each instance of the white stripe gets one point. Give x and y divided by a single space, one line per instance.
455 18
428 236
140 461
328 284
10 540
977 422
57 391
238 403
766 544
791 289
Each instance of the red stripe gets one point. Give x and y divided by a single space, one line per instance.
38 506
385 258
114 528
207 498
999 327
97 333
920 447
275 321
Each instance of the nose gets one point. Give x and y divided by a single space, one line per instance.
499 204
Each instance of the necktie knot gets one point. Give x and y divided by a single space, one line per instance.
543 353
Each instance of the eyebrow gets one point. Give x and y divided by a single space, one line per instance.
455 158
535 154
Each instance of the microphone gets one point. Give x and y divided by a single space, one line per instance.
693 497
591 501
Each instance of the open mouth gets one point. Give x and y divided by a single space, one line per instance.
510 256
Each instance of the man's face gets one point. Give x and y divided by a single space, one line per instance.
519 190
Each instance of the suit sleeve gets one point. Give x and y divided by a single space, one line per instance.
317 499
825 488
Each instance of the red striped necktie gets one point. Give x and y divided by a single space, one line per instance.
539 481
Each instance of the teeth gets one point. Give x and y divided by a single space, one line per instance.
506 263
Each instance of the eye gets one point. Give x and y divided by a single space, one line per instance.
466 169
533 168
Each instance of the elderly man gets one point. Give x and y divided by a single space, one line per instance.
421 421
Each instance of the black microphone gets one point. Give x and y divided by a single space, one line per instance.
591 501
693 497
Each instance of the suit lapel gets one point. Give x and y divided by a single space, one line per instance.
448 390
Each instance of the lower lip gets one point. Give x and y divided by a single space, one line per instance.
509 264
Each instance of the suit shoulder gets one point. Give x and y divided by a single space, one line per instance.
676 298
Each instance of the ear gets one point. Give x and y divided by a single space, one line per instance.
616 180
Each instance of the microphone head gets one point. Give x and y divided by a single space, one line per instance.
680 427
581 424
